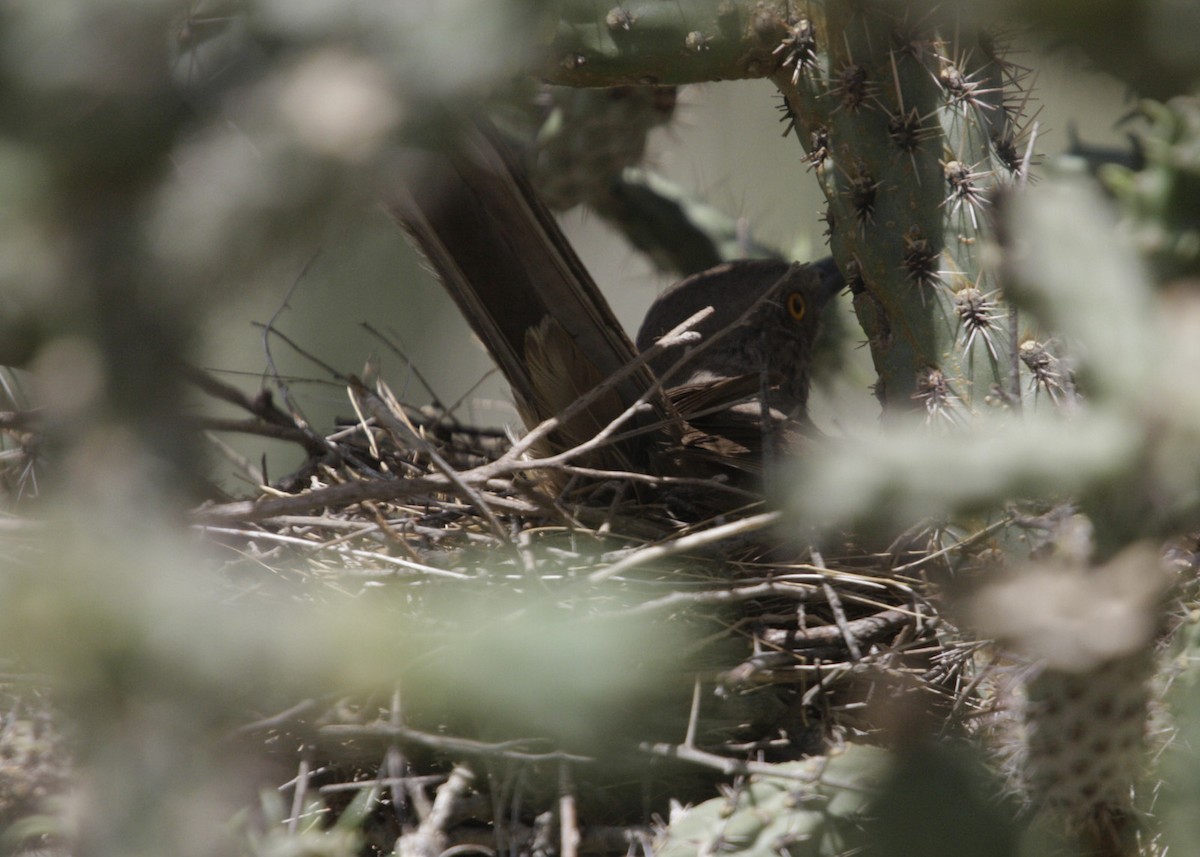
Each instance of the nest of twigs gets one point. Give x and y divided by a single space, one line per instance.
742 648
782 652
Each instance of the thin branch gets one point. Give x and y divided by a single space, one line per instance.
835 605
391 417
686 543
447 744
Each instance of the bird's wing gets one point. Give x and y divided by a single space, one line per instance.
502 257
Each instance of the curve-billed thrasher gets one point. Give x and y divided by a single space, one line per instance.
766 314
502 257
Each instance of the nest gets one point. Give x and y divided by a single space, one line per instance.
776 652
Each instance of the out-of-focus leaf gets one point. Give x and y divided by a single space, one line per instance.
894 479
1095 293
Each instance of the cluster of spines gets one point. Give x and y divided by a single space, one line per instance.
885 96
799 48
979 318
1048 372
920 261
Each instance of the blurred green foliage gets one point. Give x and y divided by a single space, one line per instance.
1160 200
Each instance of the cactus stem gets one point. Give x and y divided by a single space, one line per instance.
1046 372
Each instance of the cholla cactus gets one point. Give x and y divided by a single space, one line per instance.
1080 713
910 120
590 136
910 123
816 807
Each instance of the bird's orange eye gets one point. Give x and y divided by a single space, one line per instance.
796 305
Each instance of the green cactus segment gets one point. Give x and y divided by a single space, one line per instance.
1086 747
815 808
910 117
1162 200
655 42
1086 634
908 132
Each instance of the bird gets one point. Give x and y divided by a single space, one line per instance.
500 254
766 315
